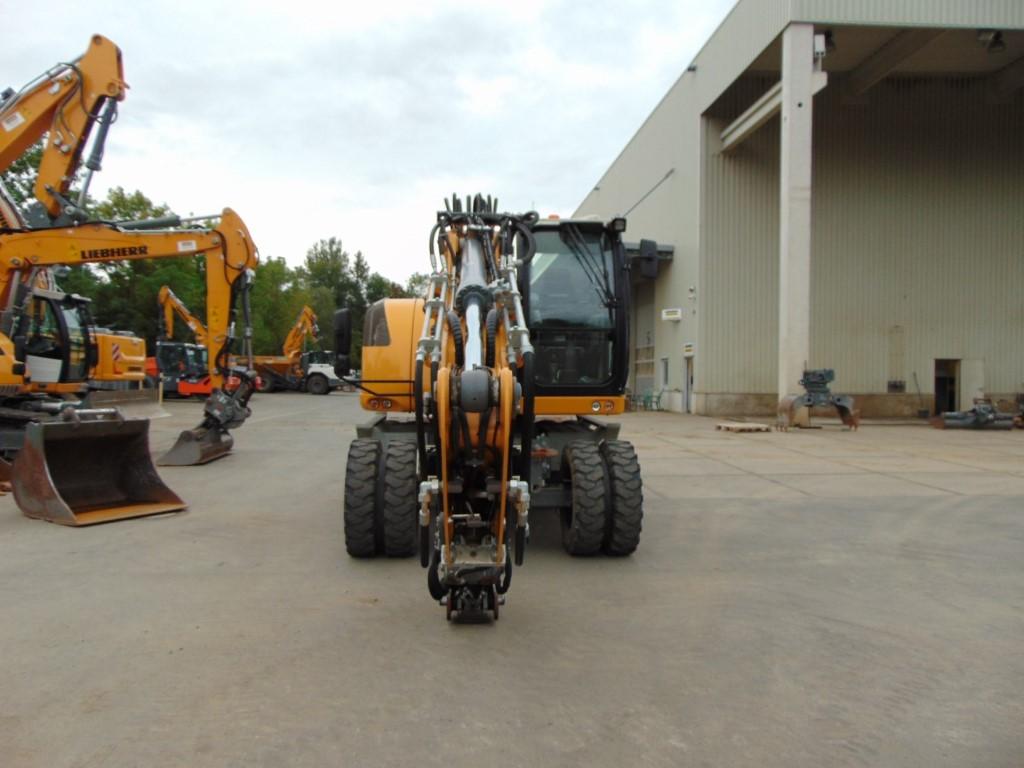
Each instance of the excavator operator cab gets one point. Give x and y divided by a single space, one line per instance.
181 360
196 358
576 296
52 337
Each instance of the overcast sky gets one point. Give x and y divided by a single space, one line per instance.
355 120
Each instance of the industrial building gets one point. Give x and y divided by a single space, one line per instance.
833 184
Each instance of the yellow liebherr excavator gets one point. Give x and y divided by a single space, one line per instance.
79 466
522 318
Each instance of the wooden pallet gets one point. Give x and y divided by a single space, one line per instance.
738 426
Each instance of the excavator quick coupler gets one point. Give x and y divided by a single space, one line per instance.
211 439
89 466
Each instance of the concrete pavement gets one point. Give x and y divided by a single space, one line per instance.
819 598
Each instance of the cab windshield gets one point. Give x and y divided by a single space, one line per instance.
571 304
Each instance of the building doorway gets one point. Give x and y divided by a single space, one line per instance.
947 386
688 384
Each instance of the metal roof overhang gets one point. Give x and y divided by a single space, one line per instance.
859 57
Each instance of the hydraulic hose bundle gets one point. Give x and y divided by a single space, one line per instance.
473 391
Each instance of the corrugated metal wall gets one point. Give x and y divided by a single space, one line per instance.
739 263
918 246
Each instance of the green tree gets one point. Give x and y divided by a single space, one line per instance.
416 285
19 177
277 299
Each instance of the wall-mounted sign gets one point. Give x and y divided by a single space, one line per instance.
675 314
688 349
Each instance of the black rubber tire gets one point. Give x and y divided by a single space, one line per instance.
361 497
317 384
626 498
264 384
585 522
400 486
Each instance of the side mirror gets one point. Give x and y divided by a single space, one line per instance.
342 366
343 331
342 342
648 259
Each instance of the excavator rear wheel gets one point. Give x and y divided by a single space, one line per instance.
400 486
584 522
361 472
626 499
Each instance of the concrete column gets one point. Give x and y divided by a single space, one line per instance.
795 206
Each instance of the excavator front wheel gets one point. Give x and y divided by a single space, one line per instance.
361 497
585 521
626 500
399 482
380 508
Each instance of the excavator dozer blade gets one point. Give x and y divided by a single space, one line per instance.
132 403
89 472
197 446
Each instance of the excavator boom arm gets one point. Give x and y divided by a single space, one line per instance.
228 248
64 104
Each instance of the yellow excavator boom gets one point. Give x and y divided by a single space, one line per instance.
64 104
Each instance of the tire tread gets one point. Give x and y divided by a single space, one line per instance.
401 490
583 533
626 499
360 497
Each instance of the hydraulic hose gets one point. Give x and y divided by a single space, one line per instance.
421 435
455 326
526 425
492 337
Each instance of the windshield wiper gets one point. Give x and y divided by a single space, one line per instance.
593 265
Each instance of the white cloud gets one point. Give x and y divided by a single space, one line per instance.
354 120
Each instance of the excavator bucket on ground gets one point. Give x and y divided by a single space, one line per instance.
132 403
211 439
89 470
197 446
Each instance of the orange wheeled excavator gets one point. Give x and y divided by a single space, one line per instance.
519 343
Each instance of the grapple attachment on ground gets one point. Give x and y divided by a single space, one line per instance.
817 395
87 470
983 415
